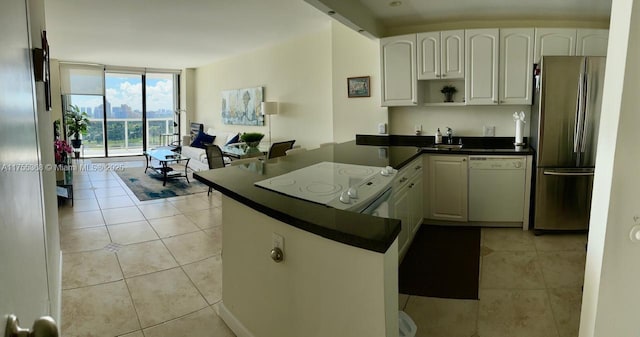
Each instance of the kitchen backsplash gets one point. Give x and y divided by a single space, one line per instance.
464 120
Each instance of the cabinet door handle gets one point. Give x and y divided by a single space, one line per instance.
437 75
444 75
418 167
403 179
494 101
464 159
411 186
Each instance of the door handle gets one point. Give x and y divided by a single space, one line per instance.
43 327
558 173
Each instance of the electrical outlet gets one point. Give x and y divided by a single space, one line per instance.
489 131
277 240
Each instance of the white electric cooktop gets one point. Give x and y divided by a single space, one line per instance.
324 183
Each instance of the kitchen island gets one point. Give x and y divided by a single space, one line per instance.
339 273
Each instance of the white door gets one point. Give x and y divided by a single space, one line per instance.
23 280
516 66
555 41
398 60
592 42
428 55
481 73
452 54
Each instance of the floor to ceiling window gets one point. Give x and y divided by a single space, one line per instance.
124 113
161 97
129 110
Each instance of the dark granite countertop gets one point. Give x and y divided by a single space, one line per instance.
359 230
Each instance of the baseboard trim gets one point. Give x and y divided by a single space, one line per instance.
232 322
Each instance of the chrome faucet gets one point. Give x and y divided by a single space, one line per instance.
449 135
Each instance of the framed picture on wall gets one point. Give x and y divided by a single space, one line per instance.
47 72
358 86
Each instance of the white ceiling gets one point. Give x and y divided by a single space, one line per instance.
172 33
191 33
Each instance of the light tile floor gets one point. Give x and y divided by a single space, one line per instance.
154 268
137 269
530 286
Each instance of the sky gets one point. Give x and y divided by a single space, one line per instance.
127 89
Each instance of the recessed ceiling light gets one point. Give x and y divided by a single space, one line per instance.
395 3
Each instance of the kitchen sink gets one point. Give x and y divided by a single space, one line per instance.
447 146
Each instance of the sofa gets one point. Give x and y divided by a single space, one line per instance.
198 156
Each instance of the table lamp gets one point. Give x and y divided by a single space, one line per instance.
269 108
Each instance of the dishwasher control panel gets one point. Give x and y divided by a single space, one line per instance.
497 163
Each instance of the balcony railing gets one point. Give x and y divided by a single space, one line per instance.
124 136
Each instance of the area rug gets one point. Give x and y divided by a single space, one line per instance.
442 261
148 186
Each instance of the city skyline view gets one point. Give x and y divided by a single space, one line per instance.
124 97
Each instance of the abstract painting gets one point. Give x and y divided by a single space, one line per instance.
242 106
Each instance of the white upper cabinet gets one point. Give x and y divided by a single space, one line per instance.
555 41
398 73
481 73
429 56
592 42
441 55
570 41
516 66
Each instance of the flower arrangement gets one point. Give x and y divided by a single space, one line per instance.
448 91
251 138
62 150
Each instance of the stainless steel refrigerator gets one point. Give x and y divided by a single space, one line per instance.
564 131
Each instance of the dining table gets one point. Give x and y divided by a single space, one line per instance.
241 150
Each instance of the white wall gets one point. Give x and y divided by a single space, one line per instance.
464 120
322 288
610 298
354 55
49 197
297 74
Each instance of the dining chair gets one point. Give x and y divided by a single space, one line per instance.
279 149
215 159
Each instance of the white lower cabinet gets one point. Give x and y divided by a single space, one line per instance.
447 187
416 214
406 203
400 210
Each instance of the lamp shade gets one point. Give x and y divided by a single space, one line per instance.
269 108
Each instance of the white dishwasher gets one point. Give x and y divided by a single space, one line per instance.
497 188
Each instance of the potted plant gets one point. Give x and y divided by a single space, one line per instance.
251 138
77 123
448 91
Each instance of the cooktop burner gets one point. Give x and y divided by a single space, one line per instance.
325 182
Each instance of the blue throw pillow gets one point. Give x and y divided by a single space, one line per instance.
233 140
202 139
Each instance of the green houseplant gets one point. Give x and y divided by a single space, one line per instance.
77 123
251 138
448 91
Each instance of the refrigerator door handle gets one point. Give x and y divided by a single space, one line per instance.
585 123
579 115
567 173
578 138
